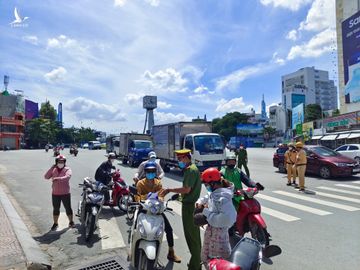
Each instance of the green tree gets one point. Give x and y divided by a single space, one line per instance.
47 111
312 112
226 125
336 112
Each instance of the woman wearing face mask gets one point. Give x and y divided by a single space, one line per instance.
60 176
219 213
152 184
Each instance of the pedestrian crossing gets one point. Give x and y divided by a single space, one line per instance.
341 197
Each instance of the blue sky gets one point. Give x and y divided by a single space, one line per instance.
99 58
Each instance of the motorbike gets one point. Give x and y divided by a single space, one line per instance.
248 254
56 152
249 217
148 231
91 204
121 195
73 151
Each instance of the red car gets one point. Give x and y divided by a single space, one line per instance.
321 161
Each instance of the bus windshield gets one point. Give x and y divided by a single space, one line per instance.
209 144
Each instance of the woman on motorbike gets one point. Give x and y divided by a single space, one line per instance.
151 184
60 176
219 213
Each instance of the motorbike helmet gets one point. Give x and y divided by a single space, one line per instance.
299 145
150 166
230 157
111 155
210 175
60 158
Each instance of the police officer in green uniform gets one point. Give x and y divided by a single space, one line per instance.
190 193
242 157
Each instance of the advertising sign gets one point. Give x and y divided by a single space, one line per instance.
308 130
247 129
31 110
341 121
351 57
297 115
297 99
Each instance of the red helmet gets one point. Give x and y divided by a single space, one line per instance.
210 175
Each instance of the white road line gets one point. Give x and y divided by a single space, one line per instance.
327 203
337 197
63 221
278 214
356 182
111 236
294 205
347 186
340 190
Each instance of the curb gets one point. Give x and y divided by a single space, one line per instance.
34 255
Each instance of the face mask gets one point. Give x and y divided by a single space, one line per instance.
209 188
182 165
231 166
150 176
61 165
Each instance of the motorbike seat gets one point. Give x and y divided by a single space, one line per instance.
246 253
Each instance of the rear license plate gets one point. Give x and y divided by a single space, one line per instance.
356 170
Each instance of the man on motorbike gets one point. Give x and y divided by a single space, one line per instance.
152 184
237 177
103 174
140 174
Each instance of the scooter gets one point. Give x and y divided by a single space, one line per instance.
249 217
121 195
91 204
148 231
56 152
248 254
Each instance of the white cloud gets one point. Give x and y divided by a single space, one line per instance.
315 47
84 108
56 75
133 98
292 35
321 15
202 89
63 41
293 5
277 60
168 80
31 39
161 117
233 105
154 3
121 3
163 105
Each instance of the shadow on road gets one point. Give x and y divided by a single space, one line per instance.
50 236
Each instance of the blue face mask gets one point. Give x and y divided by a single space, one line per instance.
182 165
150 176
209 188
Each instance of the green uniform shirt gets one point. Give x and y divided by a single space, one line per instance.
233 175
192 180
241 154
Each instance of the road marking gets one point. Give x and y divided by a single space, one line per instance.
111 236
356 182
278 214
337 197
63 221
347 186
314 200
340 190
294 205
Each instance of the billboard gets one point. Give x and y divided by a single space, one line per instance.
297 99
308 130
297 115
247 129
351 57
31 109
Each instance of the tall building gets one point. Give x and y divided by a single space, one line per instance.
277 118
309 86
348 44
263 108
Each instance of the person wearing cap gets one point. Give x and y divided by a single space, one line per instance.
290 159
151 184
300 164
219 213
242 157
140 174
103 174
60 175
190 194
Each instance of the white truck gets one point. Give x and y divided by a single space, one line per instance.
133 147
207 149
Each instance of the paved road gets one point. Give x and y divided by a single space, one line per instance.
315 231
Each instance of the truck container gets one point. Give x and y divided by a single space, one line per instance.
207 149
133 147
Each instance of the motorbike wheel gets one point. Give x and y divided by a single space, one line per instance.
130 213
123 202
89 226
260 234
144 263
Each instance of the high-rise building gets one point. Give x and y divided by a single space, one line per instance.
263 108
277 118
309 86
348 44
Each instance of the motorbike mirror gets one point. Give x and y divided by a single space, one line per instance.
271 251
174 197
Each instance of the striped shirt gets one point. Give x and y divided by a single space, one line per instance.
60 180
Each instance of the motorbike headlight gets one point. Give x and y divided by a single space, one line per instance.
142 230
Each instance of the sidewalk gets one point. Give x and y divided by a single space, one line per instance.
18 250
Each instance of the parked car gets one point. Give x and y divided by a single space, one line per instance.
85 145
93 145
321 161
350 151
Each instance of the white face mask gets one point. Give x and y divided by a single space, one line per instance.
61 165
